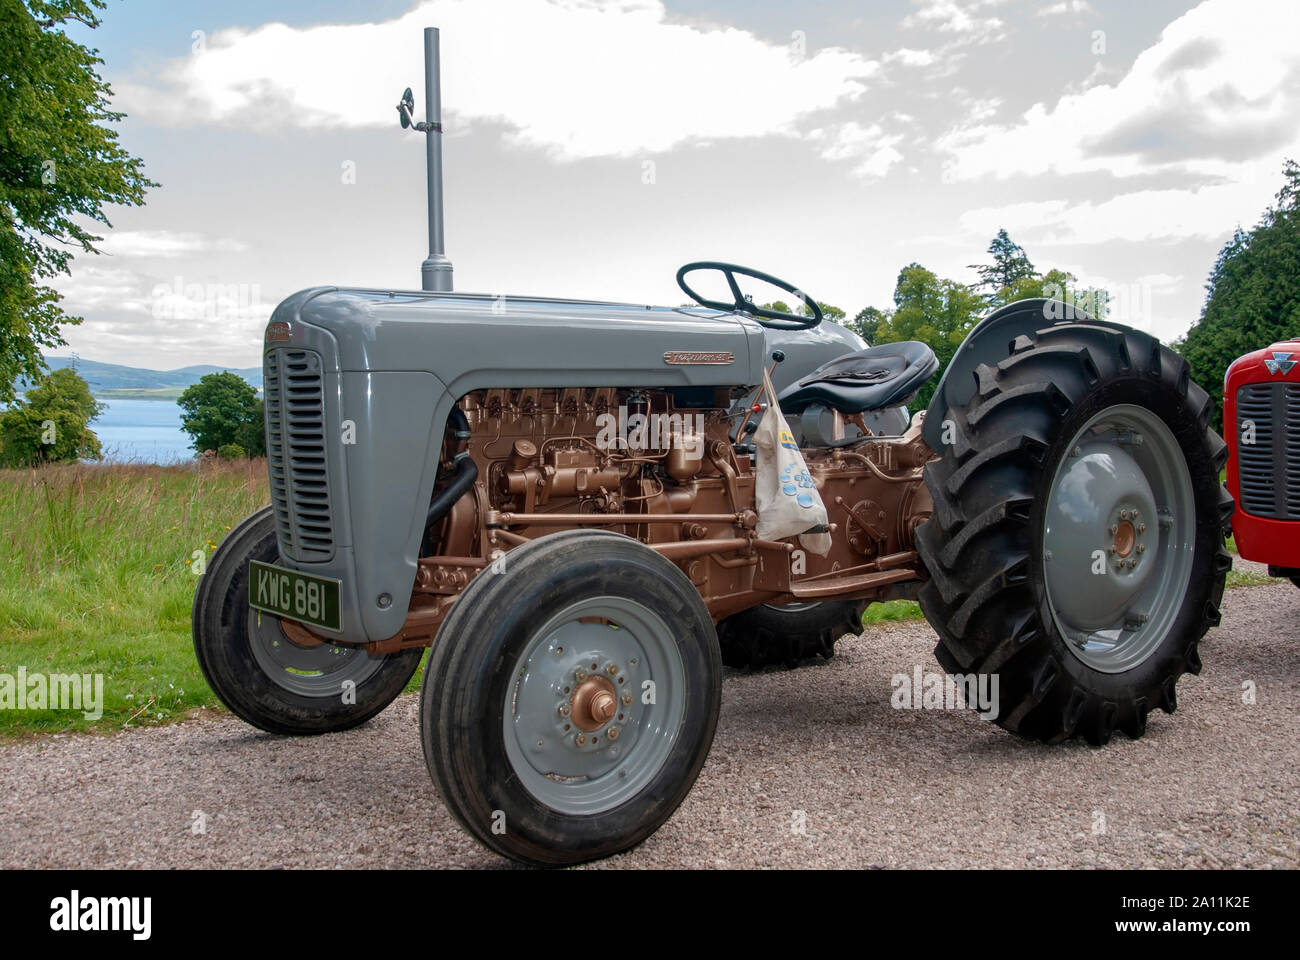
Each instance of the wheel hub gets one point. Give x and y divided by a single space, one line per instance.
593 704
303 663
1125 535
1093 571
1115 584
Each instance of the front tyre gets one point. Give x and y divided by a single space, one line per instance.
1076 549
570 701
267 679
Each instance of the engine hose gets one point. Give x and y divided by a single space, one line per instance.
463 467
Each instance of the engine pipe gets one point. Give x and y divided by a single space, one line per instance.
465 472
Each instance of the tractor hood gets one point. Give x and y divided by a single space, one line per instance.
469 341
1278 362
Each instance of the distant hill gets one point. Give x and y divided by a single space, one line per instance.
110 379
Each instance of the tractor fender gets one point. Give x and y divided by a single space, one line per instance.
990 342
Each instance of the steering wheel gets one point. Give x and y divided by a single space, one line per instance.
783 321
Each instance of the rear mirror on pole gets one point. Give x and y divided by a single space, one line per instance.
406 108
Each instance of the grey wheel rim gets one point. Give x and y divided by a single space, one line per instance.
607 644
1119 538
316 671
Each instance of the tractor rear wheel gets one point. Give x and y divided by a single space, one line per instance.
787 636
1076 549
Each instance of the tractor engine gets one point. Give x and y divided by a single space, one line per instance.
661 465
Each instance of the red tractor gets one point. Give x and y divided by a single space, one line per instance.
1261 420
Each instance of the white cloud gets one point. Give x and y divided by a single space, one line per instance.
1218 90
874 150
1066 6
578 78
960 17
910 58
1207 213
131 314
164 243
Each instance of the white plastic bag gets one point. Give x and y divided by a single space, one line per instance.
787 498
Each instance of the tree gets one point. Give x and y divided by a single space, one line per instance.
1252 298
51 424
1010 265
800 309
60 166
867 323
940 312
1059 285
222 409
935 311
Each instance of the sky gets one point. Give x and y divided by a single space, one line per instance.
593 146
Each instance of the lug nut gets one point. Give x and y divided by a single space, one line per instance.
580 675
627 698
564 710
603 707
1142 528
1123 514
581 740
612 669
612 733
1142 548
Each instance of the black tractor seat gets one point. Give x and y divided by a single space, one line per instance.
880 376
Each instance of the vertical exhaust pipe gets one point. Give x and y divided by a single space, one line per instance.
435 272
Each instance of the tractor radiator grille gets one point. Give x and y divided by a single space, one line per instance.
1268 469
294 391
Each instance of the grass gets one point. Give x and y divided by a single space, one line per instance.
1245 578
891 611
95 578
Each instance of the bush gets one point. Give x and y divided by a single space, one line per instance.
221 409
51 424
231 451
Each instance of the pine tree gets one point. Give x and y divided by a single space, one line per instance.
1010 265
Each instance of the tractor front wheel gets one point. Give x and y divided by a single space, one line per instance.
267 678
570 699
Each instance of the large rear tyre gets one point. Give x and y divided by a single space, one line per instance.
787 636
264 677
569 702
1076 549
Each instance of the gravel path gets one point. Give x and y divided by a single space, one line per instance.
1216 784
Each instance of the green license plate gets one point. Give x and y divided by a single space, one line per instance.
288 593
